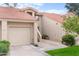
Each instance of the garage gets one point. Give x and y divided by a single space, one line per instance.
19 34
18 27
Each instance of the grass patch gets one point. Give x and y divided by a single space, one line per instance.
68 51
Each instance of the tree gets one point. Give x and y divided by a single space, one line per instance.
73 7
71 24
11 4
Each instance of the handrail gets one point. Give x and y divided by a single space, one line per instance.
39 33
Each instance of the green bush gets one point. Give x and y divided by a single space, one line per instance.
68 40
4 47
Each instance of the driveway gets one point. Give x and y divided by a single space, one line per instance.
28 50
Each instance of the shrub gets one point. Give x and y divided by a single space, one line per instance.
68 40
5 42
4 47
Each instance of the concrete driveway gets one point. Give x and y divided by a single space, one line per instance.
28 50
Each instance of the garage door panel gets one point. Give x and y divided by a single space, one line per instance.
19 36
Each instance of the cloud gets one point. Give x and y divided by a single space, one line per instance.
38 4
34 5
24 5
56 11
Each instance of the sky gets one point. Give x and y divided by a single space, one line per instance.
58 8
55 8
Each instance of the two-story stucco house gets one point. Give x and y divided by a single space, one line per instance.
48 23
26 26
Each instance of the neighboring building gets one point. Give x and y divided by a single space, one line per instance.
49 24
52 26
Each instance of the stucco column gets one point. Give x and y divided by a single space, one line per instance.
4 29
33 14
35 34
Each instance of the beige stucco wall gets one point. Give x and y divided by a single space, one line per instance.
18 24
53 29
6 23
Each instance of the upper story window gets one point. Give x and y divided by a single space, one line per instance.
30 13
37 17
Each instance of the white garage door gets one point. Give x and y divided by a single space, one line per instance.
19 36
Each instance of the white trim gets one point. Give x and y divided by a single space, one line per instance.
17 20
4 29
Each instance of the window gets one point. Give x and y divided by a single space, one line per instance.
30 13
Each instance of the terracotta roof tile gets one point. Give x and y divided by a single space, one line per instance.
13 13
55 17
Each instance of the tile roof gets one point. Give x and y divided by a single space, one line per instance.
13 13
55 17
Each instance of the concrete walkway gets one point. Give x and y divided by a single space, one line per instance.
45 45
30 50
